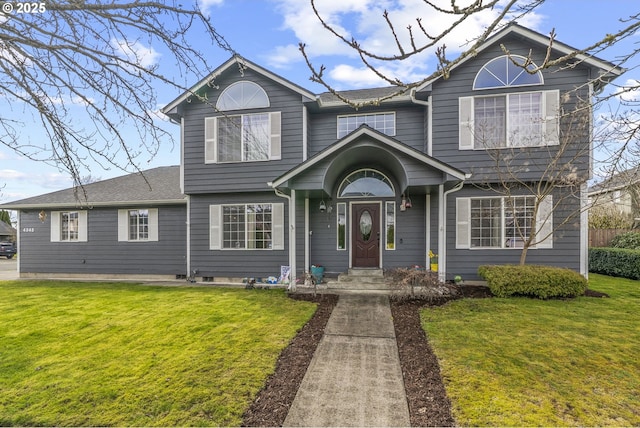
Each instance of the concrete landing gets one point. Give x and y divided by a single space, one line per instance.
354 378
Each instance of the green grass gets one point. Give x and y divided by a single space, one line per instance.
529 362
121 354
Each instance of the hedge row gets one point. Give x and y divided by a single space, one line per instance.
615 262
543 282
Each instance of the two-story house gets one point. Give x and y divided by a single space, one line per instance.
274 175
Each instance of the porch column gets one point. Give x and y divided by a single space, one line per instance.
292 239
442 252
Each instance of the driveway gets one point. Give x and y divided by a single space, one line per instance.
8 269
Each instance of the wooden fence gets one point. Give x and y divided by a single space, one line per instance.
603 237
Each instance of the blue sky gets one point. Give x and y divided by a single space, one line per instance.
268 32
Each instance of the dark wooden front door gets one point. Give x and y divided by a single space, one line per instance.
365 235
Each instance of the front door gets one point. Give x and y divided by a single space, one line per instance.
365 235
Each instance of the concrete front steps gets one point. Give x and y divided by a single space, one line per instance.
359 279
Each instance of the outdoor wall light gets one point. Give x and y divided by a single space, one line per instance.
323 206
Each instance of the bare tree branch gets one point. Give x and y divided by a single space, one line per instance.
87 73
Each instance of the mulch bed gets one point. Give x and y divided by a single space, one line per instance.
271 405
428 402
426 395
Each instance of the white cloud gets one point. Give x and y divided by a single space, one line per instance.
630 91
136 52
12 174
364 21
205 5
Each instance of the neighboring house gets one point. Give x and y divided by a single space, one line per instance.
621 191
275 175
7 232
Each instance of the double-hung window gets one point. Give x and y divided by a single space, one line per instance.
503 222
247 226
525 119
138 225
242 138
69 226
383 122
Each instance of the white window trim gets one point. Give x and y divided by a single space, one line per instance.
543 223
381 113
216 227
342 205
386 226
56 230
245 106
550 100
506 58
211 138
123 225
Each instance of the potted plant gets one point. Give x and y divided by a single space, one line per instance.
433 261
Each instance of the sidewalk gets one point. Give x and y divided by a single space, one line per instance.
354 378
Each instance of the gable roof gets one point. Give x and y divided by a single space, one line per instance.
608 70
235 61
162 187
366 130
618 181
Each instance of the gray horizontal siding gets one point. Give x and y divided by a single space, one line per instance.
102 253
566 241
233 263
323 126
203 178
528 163
410 236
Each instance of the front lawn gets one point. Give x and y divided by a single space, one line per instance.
528 362
122 354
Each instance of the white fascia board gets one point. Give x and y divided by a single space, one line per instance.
67 205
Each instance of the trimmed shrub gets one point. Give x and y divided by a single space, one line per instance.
620 262
629 240
543 282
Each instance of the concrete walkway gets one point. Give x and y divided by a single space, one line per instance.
354 378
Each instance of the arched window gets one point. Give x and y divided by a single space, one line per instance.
502 72
242 95
366 183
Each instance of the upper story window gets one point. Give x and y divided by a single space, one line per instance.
365 183
522 119
383 122
242 138
502 72
242 95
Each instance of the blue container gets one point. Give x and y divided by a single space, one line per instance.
318 273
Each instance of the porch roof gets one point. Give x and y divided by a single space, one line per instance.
366 147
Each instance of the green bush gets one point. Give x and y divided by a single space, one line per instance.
620 262
629 240
543 282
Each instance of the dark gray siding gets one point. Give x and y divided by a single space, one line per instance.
529 162
102 253
323 127
231 177
234 263
410 231
566 241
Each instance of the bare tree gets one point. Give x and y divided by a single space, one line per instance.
82 72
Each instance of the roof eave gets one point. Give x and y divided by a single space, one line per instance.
89 205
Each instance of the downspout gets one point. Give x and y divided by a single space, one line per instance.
292 236
189 236
427 104
442 208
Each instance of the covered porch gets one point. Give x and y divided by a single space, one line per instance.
367 202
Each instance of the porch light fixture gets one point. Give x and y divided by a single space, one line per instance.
323 206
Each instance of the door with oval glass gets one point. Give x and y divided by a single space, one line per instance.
365 235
